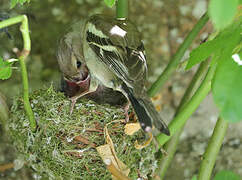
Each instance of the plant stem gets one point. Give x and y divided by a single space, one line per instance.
27 106
24 28
212 150
194 84
156 86
171 146
122 9
23 55
187 110
11 21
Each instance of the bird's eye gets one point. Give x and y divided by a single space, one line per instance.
78 64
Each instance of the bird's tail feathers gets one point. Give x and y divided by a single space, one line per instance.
157 120
146 112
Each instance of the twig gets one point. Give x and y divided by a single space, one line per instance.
212 150
5 167
85 141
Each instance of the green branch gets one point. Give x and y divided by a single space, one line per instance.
156 86
171 146
187 110
212 150
122 9
24 28
22 56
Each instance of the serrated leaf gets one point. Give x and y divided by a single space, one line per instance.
227 85
110 3
229 37
222 12
226 175
5 69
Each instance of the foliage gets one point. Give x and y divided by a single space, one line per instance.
226 175
226 85
5 69
222 12
194 177
15 2
226 88
110 3
232 37
223 175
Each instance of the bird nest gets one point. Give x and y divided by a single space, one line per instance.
70 146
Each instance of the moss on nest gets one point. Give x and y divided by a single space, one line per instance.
64 145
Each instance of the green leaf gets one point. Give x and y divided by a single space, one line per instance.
5 69
110 3
226 175
227 86
229 37
222 12
194 177
15 2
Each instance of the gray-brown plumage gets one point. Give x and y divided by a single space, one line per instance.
114 56
75 80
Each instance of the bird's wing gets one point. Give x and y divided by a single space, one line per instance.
118 45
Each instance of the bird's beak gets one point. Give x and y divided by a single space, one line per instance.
77 79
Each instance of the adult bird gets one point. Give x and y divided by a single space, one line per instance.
111 54
75 78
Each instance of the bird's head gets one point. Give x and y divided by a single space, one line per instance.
70 58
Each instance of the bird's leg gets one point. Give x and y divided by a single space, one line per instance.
74 99
126 111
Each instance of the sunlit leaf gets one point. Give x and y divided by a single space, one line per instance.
222 12
110 3
15 2
227 86
229 37
5 69
226 175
